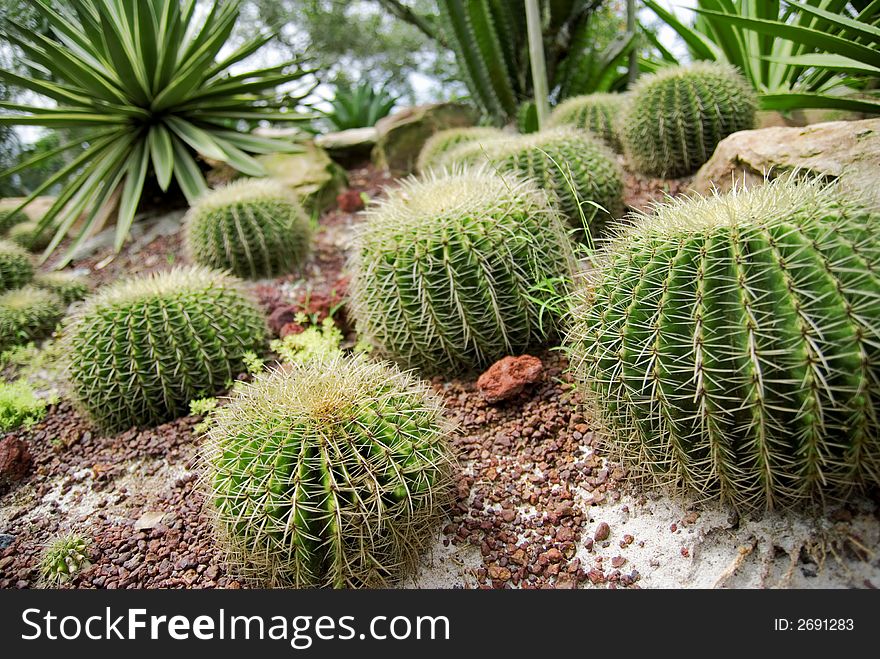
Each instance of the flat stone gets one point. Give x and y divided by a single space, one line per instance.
148 520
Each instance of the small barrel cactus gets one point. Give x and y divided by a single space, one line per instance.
328 473
441 143
16 268
676 117
252 227
140 350
570 163
66 285
28 314
26 235
10 218
731 345
63 558
451 272
597 113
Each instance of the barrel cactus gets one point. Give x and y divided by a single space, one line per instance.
140 350
26 235
328 473
597 113
66 285
28 314
16 268
677 116
575 167
451 272
731 344
9 218
63 558
442 142
252 227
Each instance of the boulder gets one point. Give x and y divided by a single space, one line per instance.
310 173
15 460
509 376
401 136
844 150
349 147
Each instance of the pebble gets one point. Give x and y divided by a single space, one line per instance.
602 532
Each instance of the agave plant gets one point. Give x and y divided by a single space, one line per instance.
359 106
148 81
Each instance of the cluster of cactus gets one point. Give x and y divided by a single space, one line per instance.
676 117
251 227
16 268
731 344
575 167
26 235
63 558
66 285
450 272
140 350
27 314
10 218
328 473
597 113
441 143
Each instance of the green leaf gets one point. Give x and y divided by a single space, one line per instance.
828 61
162 154
793 101
187 173
197 138
131 192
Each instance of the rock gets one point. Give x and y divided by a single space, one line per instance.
349 147
148 520
350 201
844 150
15 460
602 532
618 561
401 136
6 539
281 316
508 377
310 173
290 328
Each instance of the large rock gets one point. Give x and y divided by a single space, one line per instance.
15 460
402 135
310 173
509 376
349 147
844 150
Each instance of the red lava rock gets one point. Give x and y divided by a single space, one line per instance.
690 518
281 316
685 552
596 576
673 527
291 328
602 532
618 561
350 201
508 377
15 459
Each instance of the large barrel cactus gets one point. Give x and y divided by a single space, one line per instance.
252 227
731 344
9 218
442 142
140 350
454 272
574 166
28 314
675 118
26 235
68 286
597 113
16 268
328 473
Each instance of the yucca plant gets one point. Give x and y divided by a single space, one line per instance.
731 345
328 472
148 81
358 106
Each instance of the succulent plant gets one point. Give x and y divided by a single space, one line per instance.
597 113
16 268
26 235
527 117
252 227
731 344
63 558
676 117
448 270
443 142
140 350
10 218
570 163
66 285
328 473
28 314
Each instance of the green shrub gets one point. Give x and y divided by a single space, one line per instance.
66 285
677 116
141 349
28 314
446 270
252 227
441 143
328 473
571 164
19 406
63 558
16 268
9 219
731 345
26 235
597 113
